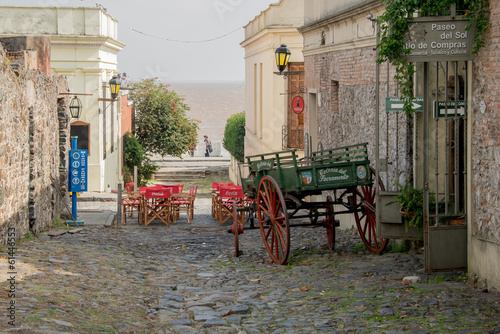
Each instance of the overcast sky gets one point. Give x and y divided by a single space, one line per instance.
185 20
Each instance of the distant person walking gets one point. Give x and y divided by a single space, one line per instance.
208 146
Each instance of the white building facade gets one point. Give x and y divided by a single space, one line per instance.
267 94
84 49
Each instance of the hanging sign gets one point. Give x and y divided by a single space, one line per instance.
449 109
396 104
78 170
438 40
298 104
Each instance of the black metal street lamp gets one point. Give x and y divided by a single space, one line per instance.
282 55
114 85
75 107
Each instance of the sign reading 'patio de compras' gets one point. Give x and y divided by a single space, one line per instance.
438 40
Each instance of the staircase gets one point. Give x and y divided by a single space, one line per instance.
174 175
189 169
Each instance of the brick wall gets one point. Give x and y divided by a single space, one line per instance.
127 115
33 148
40 44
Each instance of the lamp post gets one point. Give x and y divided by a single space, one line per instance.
282 55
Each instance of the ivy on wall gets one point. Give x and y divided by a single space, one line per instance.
394 24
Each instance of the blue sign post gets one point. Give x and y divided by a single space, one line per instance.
78 161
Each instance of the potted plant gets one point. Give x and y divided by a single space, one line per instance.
411 201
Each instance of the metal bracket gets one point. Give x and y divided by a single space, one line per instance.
382 165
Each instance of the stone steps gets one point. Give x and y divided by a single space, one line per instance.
179 174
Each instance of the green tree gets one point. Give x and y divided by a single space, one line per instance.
234 136
134 155
161 124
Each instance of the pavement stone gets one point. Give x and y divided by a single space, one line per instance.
185 279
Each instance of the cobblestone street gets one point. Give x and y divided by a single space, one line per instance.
184 279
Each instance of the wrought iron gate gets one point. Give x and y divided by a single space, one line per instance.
429 149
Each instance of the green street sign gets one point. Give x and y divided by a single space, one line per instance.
441 106
396 104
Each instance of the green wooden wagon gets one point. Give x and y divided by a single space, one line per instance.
281 186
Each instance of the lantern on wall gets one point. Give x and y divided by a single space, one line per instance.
114 85
75 107
282 55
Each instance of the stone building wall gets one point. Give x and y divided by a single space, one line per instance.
347 91
33 130
484 232
345 81
486 135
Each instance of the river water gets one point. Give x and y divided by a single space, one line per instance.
212 103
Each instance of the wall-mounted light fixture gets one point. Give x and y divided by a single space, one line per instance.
370 18
75 107
282 56
114 85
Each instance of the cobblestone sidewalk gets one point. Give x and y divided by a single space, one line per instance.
184 279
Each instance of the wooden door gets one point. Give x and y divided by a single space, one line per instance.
294 132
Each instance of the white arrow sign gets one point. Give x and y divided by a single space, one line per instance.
396 104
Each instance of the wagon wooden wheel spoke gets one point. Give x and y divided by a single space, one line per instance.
273 220
365 215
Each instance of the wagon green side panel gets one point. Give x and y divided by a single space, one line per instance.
333 176
329 169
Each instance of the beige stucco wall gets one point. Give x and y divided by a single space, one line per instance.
317 10
84 46
264 99
342 25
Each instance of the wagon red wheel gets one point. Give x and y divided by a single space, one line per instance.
329 224
366 218
273 220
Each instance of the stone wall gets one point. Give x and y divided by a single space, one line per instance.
486 135
33 148
345 83
484 230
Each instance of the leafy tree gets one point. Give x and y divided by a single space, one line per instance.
134 155
161 124
234 136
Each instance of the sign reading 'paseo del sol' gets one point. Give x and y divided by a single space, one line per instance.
438 40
